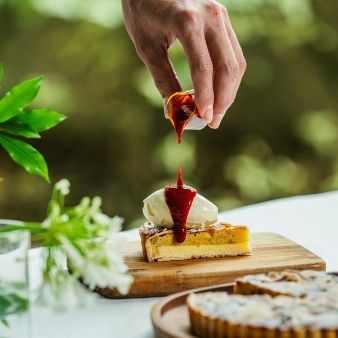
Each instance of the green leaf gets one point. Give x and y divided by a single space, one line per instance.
39 119
12 302
19 97
4 321
19 130
26 156
4 304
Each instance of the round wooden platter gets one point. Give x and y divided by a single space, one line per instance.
170 317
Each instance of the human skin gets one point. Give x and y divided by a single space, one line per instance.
204 29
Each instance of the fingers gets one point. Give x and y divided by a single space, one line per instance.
156 58
201 68
227 58
240 69
214 54
226 68
237 50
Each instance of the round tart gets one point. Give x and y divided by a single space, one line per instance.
218 314
292 283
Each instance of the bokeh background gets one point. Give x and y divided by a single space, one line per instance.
279 139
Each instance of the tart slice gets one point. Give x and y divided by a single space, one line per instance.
289 283
214 240
183 224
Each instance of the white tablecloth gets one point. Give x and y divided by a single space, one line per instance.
311 221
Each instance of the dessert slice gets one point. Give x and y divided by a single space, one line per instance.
218 314
183 225
289 283
214 240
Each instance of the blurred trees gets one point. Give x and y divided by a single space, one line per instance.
279 139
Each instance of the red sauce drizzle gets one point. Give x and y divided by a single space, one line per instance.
181 108
179 199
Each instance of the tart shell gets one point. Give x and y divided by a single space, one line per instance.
210 327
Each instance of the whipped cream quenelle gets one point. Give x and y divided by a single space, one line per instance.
202 211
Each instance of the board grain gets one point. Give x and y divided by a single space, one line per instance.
270 252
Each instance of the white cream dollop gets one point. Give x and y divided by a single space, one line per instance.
202 211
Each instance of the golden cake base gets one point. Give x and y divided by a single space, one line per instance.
215 240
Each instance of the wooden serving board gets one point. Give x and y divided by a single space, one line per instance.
270 252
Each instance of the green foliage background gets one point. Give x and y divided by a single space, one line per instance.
279 139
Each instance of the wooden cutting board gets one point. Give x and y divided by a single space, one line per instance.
270 252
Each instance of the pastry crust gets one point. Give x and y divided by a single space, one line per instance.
214 315
292 283
212 240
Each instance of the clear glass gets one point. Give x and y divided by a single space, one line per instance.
14 286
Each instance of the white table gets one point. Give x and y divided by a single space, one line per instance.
311 221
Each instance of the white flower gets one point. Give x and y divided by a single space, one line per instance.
96 202
63 186
54 212
95 206
46 223
80 235
72 253
101 219
116 223
113 224
83 205
105 268
100 264
64 293
100 276
64 218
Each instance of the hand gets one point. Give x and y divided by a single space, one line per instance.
214 54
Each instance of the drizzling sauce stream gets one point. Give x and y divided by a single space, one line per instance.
181 108
179 199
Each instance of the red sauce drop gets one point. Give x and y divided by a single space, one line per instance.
181 108
179 199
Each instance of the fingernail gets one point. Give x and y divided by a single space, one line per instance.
208 113
216 121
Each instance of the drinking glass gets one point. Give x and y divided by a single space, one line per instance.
14 288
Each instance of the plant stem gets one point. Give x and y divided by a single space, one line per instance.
33 227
